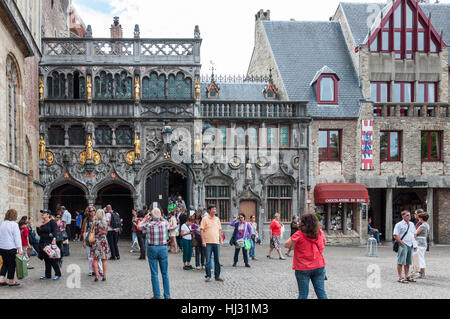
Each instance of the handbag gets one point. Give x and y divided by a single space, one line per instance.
91 238
247 244
326 277
396 244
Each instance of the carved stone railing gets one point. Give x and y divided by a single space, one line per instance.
61 109
113 109
250 110
411 109
94 51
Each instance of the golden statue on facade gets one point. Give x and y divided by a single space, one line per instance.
130 158
197 144
41 148
41 88
49 158
197 89
89 148
137 146
89 87
137 88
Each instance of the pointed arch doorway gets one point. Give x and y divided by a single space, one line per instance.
164 182
70 196
121 201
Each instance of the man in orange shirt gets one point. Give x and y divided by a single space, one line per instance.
211 233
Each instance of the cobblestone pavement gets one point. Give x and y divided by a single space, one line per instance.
351 276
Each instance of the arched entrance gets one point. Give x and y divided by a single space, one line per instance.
119 197
70 196
165 182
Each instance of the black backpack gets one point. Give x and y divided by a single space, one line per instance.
115 220
233 237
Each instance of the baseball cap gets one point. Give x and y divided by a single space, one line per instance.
46 211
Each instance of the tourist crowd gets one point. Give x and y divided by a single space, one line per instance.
158 232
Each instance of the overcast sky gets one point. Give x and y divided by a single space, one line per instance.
226 27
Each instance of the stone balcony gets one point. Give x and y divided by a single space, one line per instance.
253 110
90 51
414 110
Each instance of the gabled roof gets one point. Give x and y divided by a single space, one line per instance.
244 91
357 15
324 70
302 48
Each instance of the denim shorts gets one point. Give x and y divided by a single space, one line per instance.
404 256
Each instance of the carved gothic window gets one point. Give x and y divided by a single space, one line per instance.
104 86
124 135
77 135
279 200
219 196
12 75
56 86
56 136
103 135
76 86
123 86
179 87
154 87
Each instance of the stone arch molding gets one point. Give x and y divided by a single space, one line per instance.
63 181
116 181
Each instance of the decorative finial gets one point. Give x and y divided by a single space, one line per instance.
137 32
197 32
270 75
212 70
116 21
89 31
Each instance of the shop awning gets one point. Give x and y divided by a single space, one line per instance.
341 193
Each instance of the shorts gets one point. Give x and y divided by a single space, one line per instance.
404 256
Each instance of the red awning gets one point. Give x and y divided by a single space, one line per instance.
340 193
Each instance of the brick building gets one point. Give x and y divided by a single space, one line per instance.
375 78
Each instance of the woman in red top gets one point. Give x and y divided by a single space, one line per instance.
275 236
308 262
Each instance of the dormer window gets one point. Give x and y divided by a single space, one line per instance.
327 89
212 91
270 93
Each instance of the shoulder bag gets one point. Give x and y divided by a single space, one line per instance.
91 238
317 245
396 244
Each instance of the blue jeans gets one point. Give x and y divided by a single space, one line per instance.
317 277
376 235
210 249
158 254
252 250
236 255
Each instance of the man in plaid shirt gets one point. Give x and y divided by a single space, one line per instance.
156 228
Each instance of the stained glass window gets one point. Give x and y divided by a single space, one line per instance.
272 136
103 135
123 86
103 86
77 135
124 135
284 136
179 87
145 88
56 135
172 94
13 120
253 136
157 86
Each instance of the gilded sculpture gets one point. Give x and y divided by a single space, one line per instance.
197 89
130 158
41 148
49 158
41 88
89 87
89 148
137 87
137 146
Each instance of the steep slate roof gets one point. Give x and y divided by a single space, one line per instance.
300 50
356 15
252 92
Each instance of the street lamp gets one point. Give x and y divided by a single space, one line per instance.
167 139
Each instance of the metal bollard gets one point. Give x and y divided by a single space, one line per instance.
372 247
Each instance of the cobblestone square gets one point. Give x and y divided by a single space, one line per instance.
351 275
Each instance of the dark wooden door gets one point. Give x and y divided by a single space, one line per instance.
248 207
157 189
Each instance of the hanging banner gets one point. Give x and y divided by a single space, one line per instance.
367 145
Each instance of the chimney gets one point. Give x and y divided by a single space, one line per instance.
116 29
262 15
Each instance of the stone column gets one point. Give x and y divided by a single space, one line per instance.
389 230
328 217
430 200
344 220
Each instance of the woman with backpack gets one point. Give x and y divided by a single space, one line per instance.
242 238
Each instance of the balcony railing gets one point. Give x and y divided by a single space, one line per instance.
89 50
411 109
253 110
